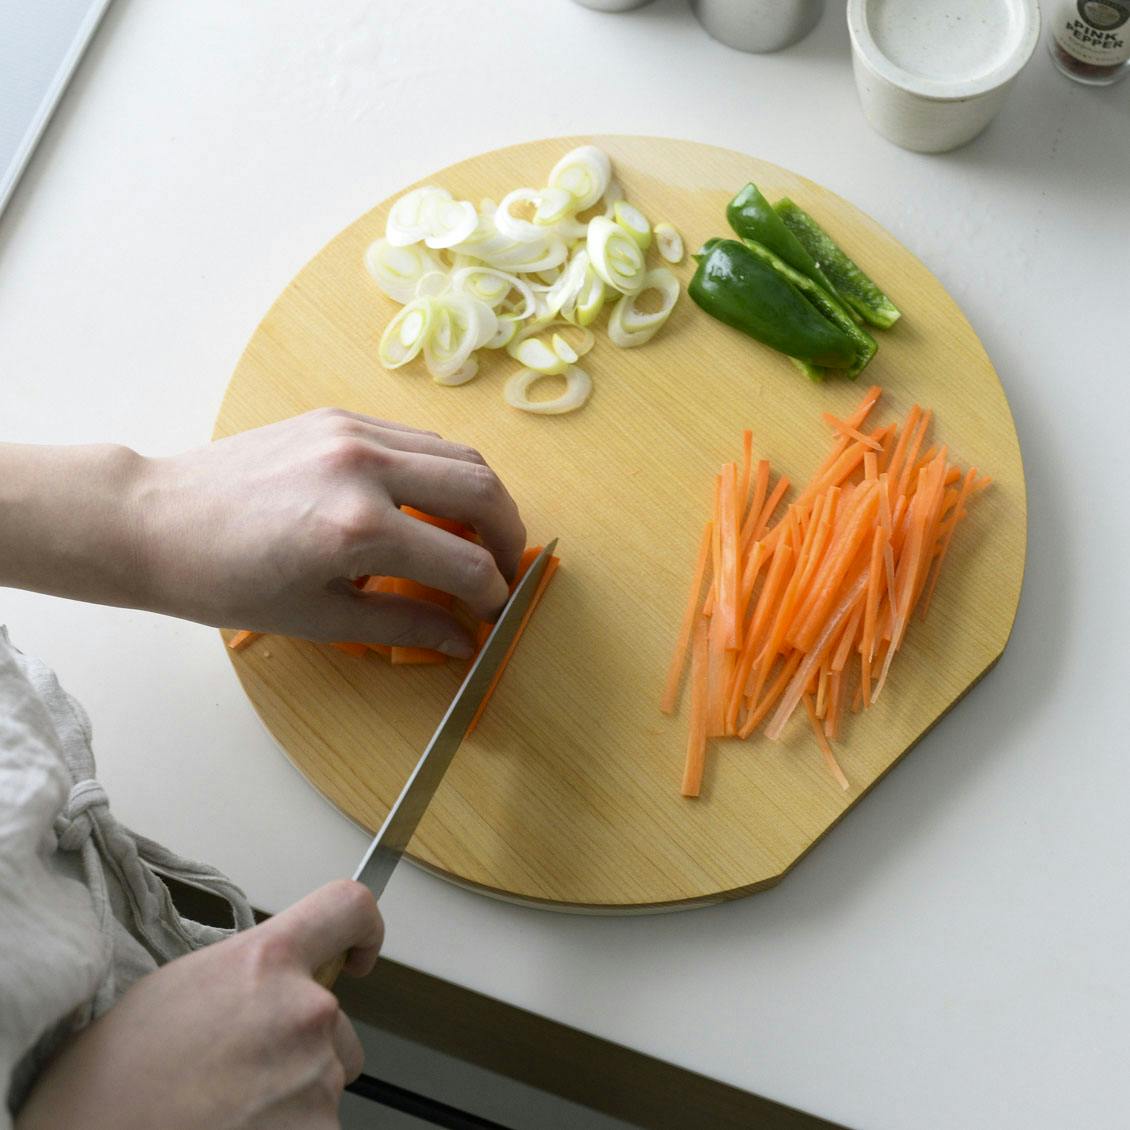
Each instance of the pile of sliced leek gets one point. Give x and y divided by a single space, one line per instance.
531 283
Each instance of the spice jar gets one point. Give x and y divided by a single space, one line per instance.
1089 40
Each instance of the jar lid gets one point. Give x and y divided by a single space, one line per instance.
945 49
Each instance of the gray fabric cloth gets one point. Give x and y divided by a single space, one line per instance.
83 910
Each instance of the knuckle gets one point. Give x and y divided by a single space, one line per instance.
319 1008
484 484
357 522
345 454
479 568
471 455
269 949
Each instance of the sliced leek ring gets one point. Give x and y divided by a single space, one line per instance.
669 243
628 326
634 222
578 388
615 255
584 172
396 270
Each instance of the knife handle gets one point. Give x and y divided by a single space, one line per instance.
327 974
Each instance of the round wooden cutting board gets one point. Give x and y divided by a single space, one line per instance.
568 793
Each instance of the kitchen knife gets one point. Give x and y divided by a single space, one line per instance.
388 844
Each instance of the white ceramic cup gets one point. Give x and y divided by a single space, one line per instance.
932 74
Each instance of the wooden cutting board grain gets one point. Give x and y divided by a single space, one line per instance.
568 794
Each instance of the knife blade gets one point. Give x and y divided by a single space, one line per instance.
388 845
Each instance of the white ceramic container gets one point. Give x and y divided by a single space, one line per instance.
932 74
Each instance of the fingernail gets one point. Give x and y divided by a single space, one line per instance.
457 649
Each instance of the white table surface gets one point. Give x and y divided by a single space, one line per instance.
953 953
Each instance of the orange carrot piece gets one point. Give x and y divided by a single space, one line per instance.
894 467
550 569
696 741
827 583
848 638
776 688
907 477
874 588
682 646
242 638
448 524
835 705
812 659
825 748
966 486
848 432
355 649
743 481
729 549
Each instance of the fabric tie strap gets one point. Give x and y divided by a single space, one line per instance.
74 825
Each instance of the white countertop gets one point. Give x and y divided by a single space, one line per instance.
952 954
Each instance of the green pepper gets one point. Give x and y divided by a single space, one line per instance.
825 302
741 289
849 282
753 217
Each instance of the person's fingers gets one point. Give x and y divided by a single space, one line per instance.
347 1047
410 548
335 919
361 418
424 443
470 493
371 617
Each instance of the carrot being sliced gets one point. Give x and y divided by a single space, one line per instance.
682 645
550 569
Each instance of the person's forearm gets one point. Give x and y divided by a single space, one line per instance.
69 518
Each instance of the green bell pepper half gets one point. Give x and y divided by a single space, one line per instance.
853 286
743 290
826 303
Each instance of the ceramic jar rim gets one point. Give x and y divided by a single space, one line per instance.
945 89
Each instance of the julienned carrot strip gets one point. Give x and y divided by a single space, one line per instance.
948 537
874 588
894 467
849 637
550 569
849 432
907 477
242 638
825 748
826 584
696 740
730 535
679 660
759 624
812 659
743 481
756 502
835 705
776 689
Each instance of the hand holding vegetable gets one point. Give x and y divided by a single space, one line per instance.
236 1036
266 529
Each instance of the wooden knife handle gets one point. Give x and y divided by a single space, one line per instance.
326 975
